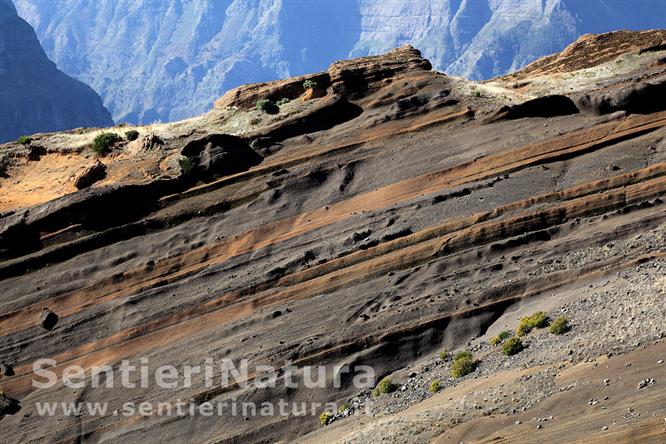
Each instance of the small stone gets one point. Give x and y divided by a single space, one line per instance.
645 383
48 319
6 370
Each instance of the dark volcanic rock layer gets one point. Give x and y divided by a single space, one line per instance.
408 224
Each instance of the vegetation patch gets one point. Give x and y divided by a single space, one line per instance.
25 140
435 386
529 323
309 84
463 364
267 106
385 386
462 354
497 340
443 355
132 135
186 165
325 418
513 346
283 101
560 326
104 142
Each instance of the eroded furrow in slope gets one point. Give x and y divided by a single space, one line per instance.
305 285
175 269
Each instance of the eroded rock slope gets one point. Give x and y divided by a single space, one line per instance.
396 213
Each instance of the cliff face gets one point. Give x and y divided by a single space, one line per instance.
170 59
35 95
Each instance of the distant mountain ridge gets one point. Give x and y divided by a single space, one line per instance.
170 59
34 95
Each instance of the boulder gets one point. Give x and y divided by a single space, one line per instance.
92 174
48 319
145 143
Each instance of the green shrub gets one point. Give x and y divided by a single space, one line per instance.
435 386
25 140
343 408
283 101
103 142
560 326
309 84
384 386
444 355
497 340
463 366
132 135
186 165
528 323
540 319
267 106
462 354
325 418
513 346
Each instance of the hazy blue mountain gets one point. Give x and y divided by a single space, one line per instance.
169 59
34 95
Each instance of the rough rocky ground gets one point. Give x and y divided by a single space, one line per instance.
397 214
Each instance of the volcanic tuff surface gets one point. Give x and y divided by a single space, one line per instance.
166 60
35 96
396 213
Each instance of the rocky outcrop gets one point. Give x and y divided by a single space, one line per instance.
35 95
221 154
592 50
637 97
348 77
245 97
